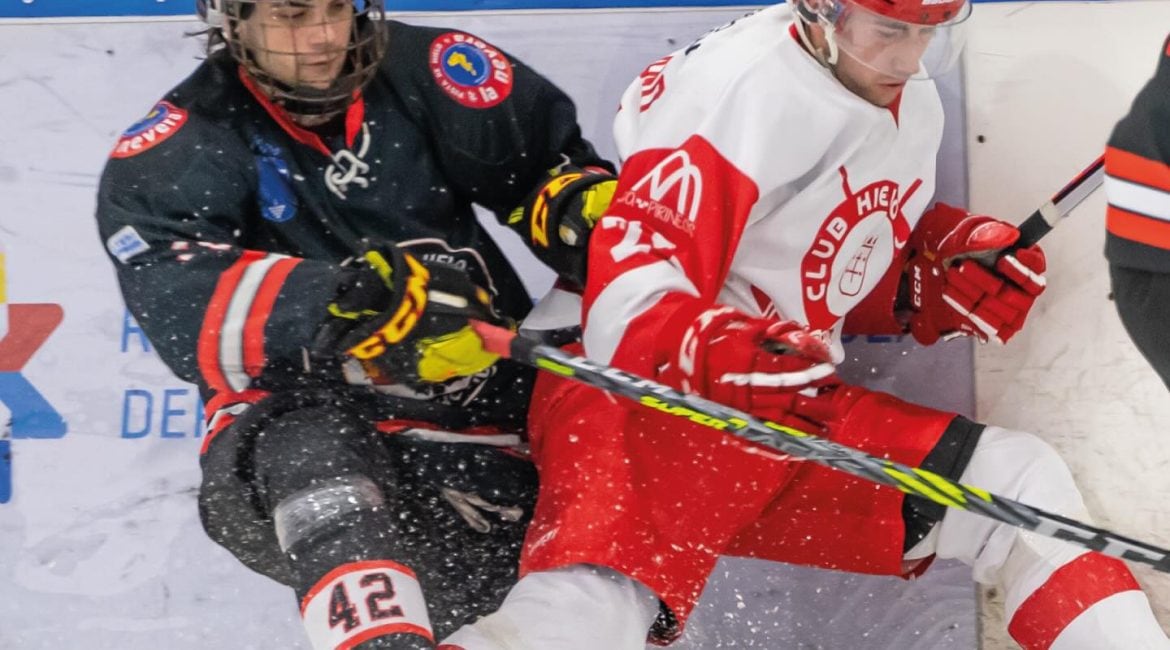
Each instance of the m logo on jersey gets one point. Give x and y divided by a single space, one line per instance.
853 248
676 172
672 192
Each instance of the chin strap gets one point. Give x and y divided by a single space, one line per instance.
802 18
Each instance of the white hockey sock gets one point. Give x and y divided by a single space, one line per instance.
1057 596
581 607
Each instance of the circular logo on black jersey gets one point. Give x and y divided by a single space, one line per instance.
465 65
471 71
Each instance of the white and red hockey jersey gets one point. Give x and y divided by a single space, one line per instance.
752 178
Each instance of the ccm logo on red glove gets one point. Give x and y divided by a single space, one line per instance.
959 285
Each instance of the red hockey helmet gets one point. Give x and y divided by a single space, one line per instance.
920 12
310 56
908 39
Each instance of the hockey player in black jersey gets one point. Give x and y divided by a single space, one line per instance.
1137 167
292 226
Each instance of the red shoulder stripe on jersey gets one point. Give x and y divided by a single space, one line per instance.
1138 169
1068 592
208 347
261 309
1137 227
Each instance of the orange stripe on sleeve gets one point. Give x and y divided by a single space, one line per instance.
1137 227
208 346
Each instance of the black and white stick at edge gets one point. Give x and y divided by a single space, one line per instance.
911 480
1070 196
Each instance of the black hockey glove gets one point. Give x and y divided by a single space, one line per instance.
556 218
404 322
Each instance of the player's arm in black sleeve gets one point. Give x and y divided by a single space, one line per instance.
1137 164
173 218
520 153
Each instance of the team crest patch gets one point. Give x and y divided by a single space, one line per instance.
855 245
471 71
163 121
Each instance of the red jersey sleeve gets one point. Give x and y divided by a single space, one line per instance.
662 252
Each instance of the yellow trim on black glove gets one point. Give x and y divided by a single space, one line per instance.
457 354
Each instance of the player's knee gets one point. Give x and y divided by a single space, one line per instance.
306 432
298 449
1021 466
1012 464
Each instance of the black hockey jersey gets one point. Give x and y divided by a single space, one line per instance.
1137 181
227 222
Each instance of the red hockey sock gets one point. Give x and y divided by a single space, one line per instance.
1069 592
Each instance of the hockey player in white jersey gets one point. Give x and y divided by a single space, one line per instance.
776 193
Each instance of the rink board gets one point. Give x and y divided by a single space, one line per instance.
99 543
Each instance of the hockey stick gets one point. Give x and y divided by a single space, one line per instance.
1070 196
911 480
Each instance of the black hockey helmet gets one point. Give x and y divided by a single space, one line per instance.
262 36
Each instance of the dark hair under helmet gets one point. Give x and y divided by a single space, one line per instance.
367 44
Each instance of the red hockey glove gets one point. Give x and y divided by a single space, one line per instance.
752 364
954 293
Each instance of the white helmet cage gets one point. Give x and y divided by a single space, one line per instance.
364 51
